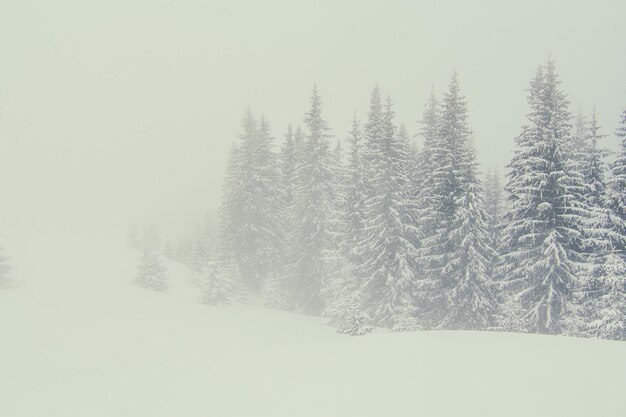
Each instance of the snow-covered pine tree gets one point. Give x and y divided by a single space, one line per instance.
354 321
423 171
605 297
298 145
250 224
315 211
338 227
230 207
387 251
616 185
220 283
151 274
600 234
457 249
593 165
543 232
274 291
288 156
414 170
608 314
337 262
429 132
344 305
354 196
473 302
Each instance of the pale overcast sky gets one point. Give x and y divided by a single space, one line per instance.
119 109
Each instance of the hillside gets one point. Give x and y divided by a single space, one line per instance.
78 340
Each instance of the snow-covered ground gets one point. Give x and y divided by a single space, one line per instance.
78 340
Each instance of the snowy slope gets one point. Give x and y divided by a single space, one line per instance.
78 340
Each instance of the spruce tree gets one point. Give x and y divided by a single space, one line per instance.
387 251
354 196
605 297
543 234
274 291
344 305
457 248
429 126
251 227
608 314
339 273
617 183
288 160
219 286
151 274
593 165
315 213
229 231
600 234
354 322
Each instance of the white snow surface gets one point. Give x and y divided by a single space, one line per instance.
79 340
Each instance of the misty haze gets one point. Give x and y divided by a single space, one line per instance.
330 208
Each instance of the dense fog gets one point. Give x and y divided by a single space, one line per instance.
328 208
121 110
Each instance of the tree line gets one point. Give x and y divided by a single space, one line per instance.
386 234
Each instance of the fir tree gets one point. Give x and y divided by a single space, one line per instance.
600 236
344 297
617 183
593 165
336 260
250 229
423 170
219 286
604 293
288 160
543 233
151 273
354 322
608 314
387 251
230 208
315 212
260 235
457 249
429 132
354 196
